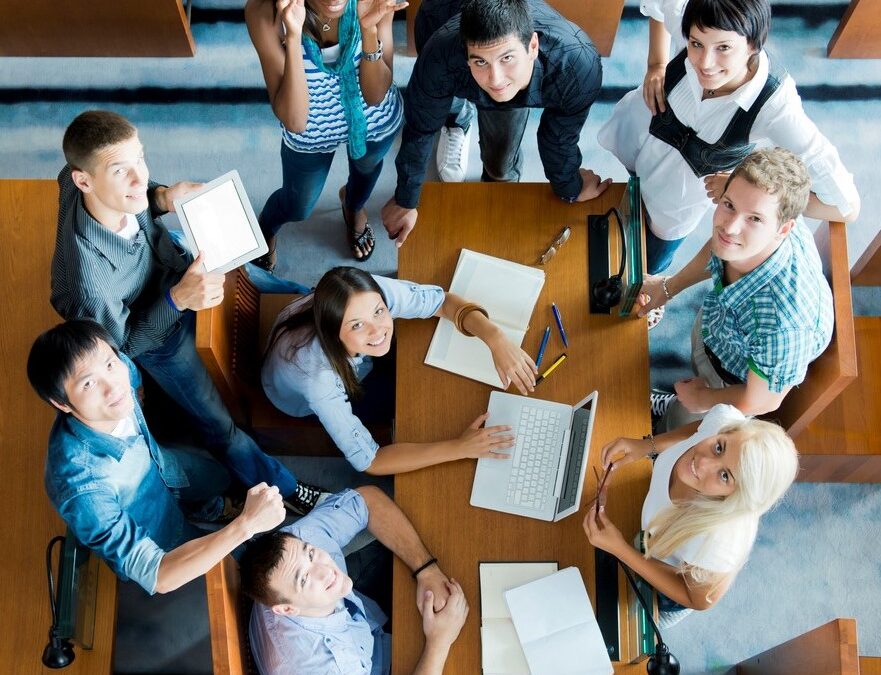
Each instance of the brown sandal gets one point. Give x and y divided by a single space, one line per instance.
358 241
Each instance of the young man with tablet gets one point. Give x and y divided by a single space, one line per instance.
116 263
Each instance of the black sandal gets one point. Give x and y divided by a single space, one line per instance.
358 241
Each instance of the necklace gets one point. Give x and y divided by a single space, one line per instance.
325 26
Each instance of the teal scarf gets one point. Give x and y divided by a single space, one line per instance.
344 69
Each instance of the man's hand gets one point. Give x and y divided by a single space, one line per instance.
591 185
715 185
398 221
476 443
512 364
263 509
691 394
601 532
197 288
433 581
442 628
653 88
651 295
165 196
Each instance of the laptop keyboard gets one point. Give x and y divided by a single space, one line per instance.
534 460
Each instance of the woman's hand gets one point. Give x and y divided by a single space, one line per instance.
292 14
653 88
477 443
371 12
623 451
651 295
512 364
715 185
601 532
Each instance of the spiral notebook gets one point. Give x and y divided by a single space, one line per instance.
508 291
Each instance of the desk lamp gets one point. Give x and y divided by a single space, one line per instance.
662 662
59 652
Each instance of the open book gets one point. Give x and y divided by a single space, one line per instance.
508 291
500 649
556 626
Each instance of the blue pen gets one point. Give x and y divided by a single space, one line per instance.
543 346
559 321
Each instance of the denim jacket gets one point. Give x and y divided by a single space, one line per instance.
117 494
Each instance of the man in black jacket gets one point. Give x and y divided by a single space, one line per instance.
504 56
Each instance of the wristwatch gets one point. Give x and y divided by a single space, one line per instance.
373 56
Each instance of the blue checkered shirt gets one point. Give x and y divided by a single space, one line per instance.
775 320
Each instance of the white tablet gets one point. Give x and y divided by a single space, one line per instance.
218 219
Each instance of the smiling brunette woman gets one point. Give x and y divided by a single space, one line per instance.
320 357
710 485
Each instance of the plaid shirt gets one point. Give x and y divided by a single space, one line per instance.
566 79
775 320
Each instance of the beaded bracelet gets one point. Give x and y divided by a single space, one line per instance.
431 562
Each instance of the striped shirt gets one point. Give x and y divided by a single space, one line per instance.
775 320
326 126
96 274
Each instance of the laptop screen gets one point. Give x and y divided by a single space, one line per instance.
578 446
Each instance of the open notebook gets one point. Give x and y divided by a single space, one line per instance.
500 651
557 627
508 291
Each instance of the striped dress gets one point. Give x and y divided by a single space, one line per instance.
326 126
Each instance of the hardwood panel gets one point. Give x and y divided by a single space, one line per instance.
607 353
858 35
830 649
870 665
94 28
28 211
228 627
598 18
867 270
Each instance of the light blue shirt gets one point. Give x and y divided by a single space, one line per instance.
117 494
348 642
775 320
308 384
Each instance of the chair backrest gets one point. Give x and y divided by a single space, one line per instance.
227 342
228 620
867 270
830 648
836 367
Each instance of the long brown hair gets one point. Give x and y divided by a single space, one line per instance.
328 307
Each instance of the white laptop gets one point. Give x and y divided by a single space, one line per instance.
545 475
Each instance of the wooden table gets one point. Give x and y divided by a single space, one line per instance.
28 210
607 353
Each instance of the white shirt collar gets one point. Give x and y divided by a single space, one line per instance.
746 95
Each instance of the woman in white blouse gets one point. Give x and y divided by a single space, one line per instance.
710 485
680 132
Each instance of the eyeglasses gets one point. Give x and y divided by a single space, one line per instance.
601 483
551 251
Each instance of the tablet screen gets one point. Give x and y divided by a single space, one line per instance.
220 225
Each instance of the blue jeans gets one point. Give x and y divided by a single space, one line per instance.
659 252
501 134
179 370
202 499
303 178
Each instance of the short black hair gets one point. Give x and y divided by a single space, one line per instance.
55 353
262 555
486 21
749 18
91 131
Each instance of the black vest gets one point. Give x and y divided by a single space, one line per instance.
726 153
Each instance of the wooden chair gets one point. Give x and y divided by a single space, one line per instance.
228 616
230 339
841 444
836 367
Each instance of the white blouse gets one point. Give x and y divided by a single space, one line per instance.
675 198
723 551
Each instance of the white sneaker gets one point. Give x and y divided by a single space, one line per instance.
452 154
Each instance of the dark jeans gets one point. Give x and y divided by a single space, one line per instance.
370 569
179 370
501 133
303 178
659 252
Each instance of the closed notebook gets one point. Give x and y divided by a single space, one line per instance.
508 291
500 651
557 627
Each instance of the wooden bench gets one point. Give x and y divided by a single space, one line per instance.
230 339
836 367
228 616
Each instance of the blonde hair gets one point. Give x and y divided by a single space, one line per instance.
781 173
768 466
